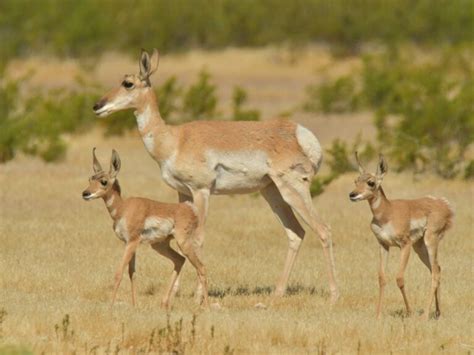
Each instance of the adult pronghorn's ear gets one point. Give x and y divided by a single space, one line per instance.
114 164
381 169
145 65
361 169
154 61
95 163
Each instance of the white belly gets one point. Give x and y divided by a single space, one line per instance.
238 172
417 228
385 234
156 230
121 230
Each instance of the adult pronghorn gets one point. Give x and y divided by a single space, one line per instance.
420 223
140 220
200 158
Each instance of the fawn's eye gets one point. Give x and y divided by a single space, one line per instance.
103 182
127 84
371 183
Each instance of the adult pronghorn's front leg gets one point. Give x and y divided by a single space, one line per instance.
293 229
127 257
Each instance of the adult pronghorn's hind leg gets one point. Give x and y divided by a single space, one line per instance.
293 230
295 191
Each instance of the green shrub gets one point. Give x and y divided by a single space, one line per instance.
178 25
239 97
425 112
338 96
424 109
168 95
200 100
469 170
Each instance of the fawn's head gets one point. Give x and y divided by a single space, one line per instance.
102 182
367 184
132 90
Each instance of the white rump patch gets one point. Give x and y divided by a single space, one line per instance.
310 146
156 229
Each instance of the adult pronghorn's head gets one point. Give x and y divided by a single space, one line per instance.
132 90
367 184
102 182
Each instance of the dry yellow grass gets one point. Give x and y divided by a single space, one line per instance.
58 255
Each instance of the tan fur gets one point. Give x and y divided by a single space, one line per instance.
277 157
420 223
139 220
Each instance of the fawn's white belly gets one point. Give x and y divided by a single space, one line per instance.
385 234
156 229
120 229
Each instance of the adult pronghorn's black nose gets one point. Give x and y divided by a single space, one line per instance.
98 105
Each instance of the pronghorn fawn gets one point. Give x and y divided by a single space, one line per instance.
419 223
140 220
276 157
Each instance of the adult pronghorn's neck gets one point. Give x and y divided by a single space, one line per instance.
147 113
156 134
113 200
379 204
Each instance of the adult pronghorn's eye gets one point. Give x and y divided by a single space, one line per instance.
103 182
127 84
371 183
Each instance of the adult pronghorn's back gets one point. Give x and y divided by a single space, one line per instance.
277 157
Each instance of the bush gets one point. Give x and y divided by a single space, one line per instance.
338 96
424 111
94 26
200 99
239 98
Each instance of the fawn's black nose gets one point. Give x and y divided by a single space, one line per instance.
352 195
86 194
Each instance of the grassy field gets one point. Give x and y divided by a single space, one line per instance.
59 253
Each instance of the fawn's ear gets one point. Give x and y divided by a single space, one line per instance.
114 164
145 65
382 169
361 169
95 163
154 61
